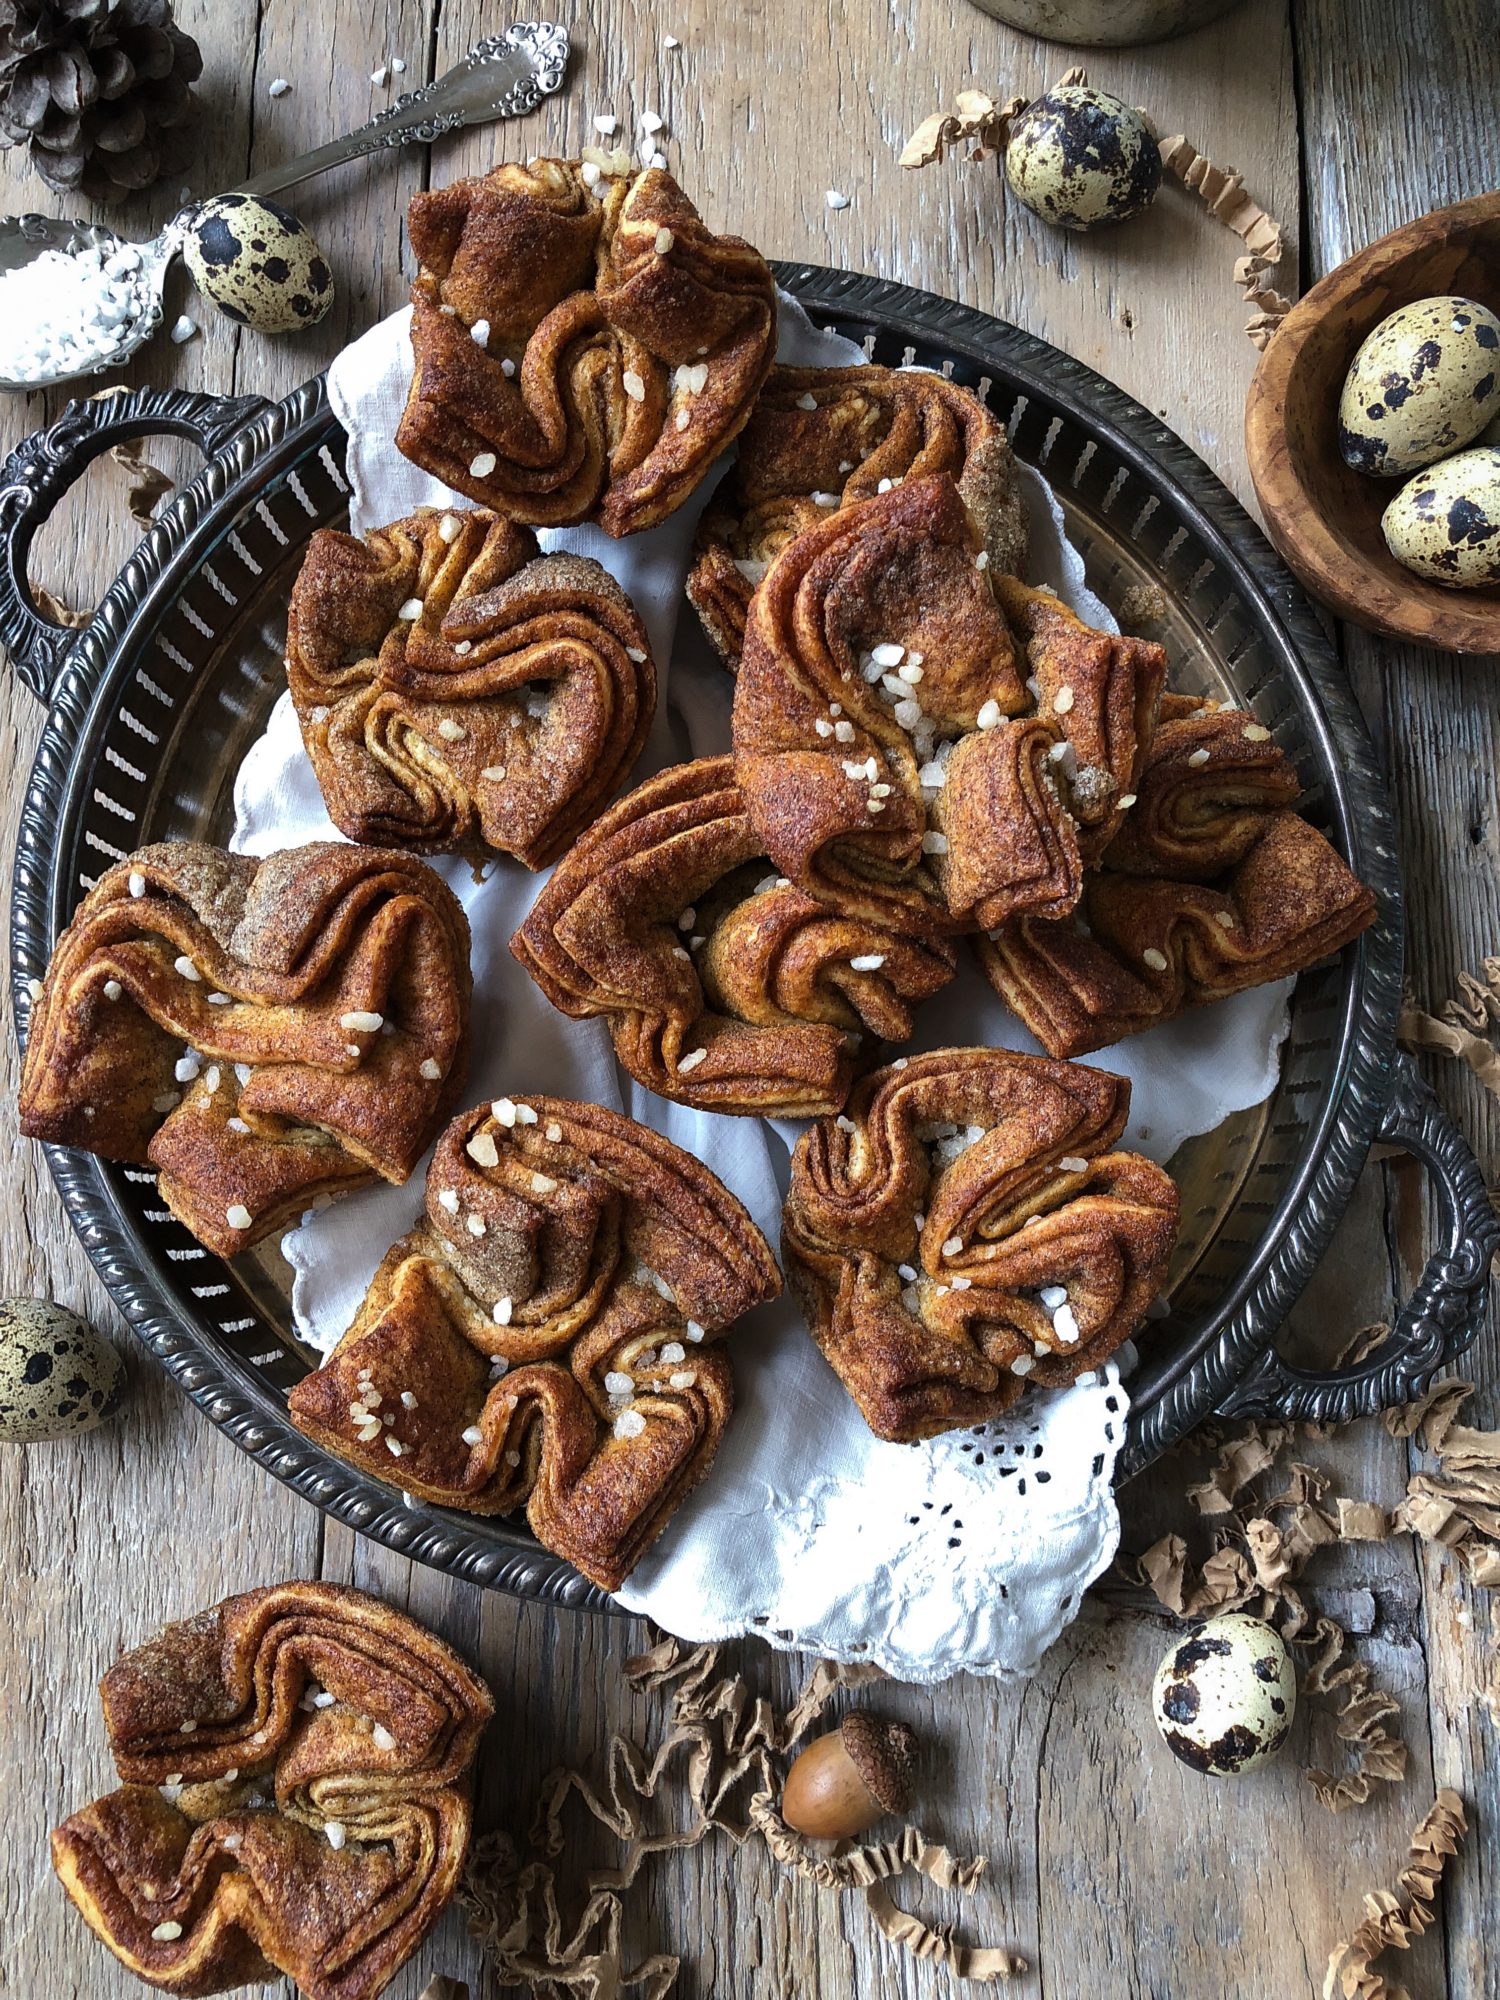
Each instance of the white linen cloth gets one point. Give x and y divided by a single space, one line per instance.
969 1552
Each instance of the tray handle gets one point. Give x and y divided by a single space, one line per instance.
42 468
1443 1314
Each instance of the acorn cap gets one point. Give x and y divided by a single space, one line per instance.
883 1753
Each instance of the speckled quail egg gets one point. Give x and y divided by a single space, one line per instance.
1225 1696
57 1375
1080 157
258 264
1444 524
1425 382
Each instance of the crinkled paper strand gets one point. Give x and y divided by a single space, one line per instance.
1460 1029
147 481
725 1736
976 120
870 1868
1458 1506
1363 1710
1222 192
1394 1917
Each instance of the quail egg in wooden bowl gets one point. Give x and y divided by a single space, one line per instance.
1325 513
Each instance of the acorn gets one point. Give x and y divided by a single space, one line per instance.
845 1781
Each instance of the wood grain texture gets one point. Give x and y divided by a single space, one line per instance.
1114 1871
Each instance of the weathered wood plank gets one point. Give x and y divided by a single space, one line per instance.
1437 720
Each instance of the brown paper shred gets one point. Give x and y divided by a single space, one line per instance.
147 482
1458 1506
1240 1461
59 612
1477 1002
1394 1917
976 120
1457 1034
1361 1521
870 1868
1363 1709
1222 191
722 1738
441 1987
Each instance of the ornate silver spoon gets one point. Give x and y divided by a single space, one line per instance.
504 76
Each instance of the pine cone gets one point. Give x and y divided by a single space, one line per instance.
98 90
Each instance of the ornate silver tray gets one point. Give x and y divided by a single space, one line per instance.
152 706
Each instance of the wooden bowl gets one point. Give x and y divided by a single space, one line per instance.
1324 517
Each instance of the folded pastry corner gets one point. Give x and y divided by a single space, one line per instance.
1213 885
457 690
897 759
967 1227
296 1769
723 986
550 1338
263 1032
822 438
584 346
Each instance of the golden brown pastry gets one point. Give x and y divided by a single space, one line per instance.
723 986
550 1337
585 347
1214 885
922 742
456 689
967 1229
261 1032
295 1798
821 438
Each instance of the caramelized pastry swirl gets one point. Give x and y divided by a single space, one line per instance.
582 351
455 689
313 1749
967 1228
821 438
262 1032
897 760
1213 886
723 986
549 1338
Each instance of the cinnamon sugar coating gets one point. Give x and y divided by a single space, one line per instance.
262 1032
822 438
584 346
295 1800
922 742
456 689
1214 885
723 986
550 1338
967 1227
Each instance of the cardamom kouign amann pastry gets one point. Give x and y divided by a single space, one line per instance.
550 1338
967 1228
261 1032
295 1795
723 986
923 742
822 438
585 348
456 689
1214 885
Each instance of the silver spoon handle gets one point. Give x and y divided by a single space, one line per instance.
502 77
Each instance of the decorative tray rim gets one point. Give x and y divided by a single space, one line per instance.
252 443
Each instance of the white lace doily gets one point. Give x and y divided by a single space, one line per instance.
968 1552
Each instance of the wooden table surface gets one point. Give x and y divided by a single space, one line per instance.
1115 1871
